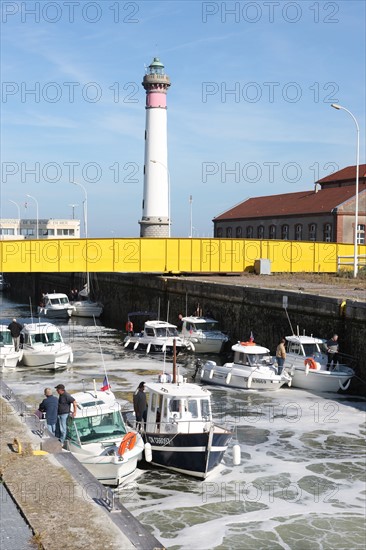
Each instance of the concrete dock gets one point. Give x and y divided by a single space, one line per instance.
50 500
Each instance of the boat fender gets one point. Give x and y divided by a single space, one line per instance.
71 357
148 347
345 386
148 452
212 372
136 345
127 444
191 346
236 455
249 382
228 378
306 370
311 363
17 446
126 343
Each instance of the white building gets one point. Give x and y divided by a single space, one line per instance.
11 229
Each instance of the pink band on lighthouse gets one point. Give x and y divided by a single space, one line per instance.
156 99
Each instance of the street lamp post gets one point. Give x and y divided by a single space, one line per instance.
35 200
73 206
191 218
168 173
85 207
18 207
355 254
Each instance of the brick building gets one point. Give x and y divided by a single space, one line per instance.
327 213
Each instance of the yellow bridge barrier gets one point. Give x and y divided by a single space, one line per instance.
169 255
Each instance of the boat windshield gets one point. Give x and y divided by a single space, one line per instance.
92 429
190 407
164 332
46 338
255 358
205 327
311 349
64 300
5 338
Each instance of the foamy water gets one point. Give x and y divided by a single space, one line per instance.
301 481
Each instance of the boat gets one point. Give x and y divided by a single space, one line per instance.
252 368
203 334
55 306
8 356
98 437
84 306
306 362
4 285
43 346
179 431
156 337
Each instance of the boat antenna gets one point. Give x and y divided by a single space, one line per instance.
167 312
30 306
175 377
186 304
105 381
159 309
285 303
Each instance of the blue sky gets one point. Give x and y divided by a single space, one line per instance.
248 109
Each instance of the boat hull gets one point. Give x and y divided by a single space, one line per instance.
11 359
47 360
232 377
55 313
207 345
191 454
321 380
139 344
87 309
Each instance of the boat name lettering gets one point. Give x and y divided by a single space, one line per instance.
159 440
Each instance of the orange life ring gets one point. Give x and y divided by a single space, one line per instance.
127 443
247 343
129 326
311 362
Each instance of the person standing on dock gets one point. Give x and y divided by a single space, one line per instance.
140 405
15 330
49 406
65 400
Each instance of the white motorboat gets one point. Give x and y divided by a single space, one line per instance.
306 361
55 305
8 356
97 436
43 346
203 334
253 368
84 306
180 429
156 337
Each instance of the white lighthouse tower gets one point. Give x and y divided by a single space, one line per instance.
155 220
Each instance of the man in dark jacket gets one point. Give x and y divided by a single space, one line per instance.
15 330
65 400
49 406
139 405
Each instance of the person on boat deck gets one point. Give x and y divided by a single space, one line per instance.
65 400
332 349
180 323
140 405
129 327
15 330
49 406
281 355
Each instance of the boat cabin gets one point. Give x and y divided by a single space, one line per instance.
203 324
55 300
177 408
305 346
251 355
160 329
98 419
5 336
41 334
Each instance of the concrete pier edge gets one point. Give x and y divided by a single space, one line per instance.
20 423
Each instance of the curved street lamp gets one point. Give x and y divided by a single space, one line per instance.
35 200
355 254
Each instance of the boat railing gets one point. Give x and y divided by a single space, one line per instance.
176 425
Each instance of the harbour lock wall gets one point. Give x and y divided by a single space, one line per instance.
241 310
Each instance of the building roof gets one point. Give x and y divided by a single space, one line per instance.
346 174
290 204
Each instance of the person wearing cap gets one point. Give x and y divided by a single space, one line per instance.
140 405
49 406
15 330
65 400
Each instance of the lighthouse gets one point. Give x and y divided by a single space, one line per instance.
155 220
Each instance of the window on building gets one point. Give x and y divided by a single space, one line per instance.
260 232
272 231
360 234
249 232
312 232
285 232
46 232
219 232
229 232
298 232
327 236
65 232
27 231
239 232
6 231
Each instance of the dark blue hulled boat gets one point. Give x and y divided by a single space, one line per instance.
180 429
